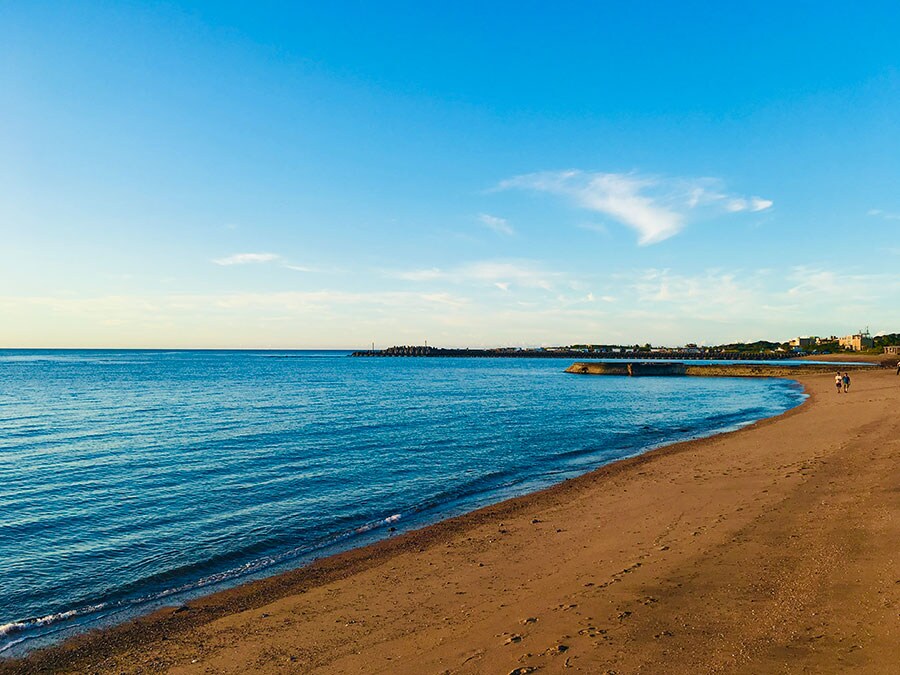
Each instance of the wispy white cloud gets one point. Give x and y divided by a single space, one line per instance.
753 204
524 273
325 299
758 303
419 275
479 303
133 307
503 274
657 208
495 223
812 284
617 195
261 259
247 259
887 215
711 294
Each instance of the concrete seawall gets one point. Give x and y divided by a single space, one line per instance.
638 369
558 353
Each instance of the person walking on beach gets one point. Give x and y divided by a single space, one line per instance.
838 382
846 380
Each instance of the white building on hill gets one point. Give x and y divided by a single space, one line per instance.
857 342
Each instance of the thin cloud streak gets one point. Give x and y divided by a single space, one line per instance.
261 259
247 259
616 195
753 204
886 215
502 274
498 225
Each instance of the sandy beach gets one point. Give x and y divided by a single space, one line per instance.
773 549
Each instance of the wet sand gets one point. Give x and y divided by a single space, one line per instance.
773 549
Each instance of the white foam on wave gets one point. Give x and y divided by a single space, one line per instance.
371 526
19 626
7 628
10 645
16 626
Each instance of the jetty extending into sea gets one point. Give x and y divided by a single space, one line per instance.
566 353
668 369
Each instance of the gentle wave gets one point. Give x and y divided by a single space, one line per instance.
17 626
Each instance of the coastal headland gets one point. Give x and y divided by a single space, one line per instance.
772 549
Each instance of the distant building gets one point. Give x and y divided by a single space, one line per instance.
857 342
803 342
892 349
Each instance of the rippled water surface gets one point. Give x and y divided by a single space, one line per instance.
128 478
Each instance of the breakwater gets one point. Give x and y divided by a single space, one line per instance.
641 369
561 353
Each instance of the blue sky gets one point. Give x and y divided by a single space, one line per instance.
237 175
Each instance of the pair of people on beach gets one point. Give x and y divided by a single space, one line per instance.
842 382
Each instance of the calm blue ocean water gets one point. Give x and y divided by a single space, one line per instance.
130 479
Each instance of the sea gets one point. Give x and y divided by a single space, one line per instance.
130 480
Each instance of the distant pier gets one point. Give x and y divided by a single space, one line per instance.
558 353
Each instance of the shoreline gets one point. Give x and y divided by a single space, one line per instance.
165 637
